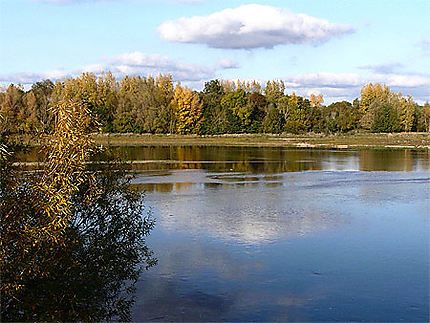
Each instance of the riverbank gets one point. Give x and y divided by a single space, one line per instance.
344 141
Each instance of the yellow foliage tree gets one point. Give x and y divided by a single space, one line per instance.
407 113
373 96
316 100
188 110
40 220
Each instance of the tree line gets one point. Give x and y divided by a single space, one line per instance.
157 105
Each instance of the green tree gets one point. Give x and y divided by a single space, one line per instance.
274 121
274 90
165 116
215 118
339 117
257 106
106 100
125 113
423 118
236 103
376 100
299 115
385 118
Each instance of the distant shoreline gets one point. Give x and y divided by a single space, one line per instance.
359 140
335 141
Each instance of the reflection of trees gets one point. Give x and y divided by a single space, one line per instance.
394 160
265 159
92 273
159 187
220 158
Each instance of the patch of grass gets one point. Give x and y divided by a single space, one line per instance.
337 141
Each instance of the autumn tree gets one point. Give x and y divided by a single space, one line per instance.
165 115
72 237
126 113
408 114
298 114
106 100
43 92
10 109
141 104
82 89
188 110
380 108
40 218
423 118
97 93
316 100
274 90
27 115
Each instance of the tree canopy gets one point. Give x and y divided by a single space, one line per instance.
156 105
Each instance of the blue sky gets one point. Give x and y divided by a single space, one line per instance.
331 47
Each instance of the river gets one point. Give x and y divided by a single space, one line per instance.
276 234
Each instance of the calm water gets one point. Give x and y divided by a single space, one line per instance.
274 234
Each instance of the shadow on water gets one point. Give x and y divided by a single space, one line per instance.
91 275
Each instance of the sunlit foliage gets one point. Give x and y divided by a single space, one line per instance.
188 109
138 104
72 237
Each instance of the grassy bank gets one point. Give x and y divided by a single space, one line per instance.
348 141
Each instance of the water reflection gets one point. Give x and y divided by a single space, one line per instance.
232 213
274 234
253 209
256 240
402 160
273 159
264 159
91 274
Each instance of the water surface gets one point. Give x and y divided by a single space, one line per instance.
274 234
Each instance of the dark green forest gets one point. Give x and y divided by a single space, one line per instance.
157 105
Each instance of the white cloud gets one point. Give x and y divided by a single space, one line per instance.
252 26
334 86
29 77
403 80
140 63
135 63
346 86
324 79
226 63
